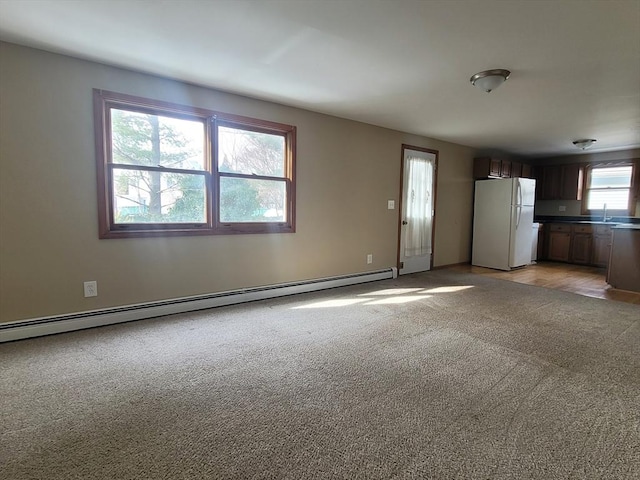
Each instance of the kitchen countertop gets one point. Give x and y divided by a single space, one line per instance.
582 220
626 226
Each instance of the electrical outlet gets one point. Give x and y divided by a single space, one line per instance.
91 289
562 208
370 258
391 204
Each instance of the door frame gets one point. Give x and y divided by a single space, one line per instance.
401 196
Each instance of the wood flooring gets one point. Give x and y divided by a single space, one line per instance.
588 281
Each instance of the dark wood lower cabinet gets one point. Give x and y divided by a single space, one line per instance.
559 246
583 244
581 248
601 245
601 251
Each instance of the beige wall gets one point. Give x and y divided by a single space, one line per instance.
48 227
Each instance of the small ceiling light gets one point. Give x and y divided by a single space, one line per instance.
584 143
490 79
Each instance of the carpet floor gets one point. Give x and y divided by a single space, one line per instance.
439 375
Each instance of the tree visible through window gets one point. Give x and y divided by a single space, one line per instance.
158 168
251 167
166 169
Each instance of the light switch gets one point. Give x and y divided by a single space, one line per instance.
391 204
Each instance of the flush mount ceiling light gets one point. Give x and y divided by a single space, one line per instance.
584 143
490 79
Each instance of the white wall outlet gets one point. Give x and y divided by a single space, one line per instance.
562 208
391 204
91 289
370 258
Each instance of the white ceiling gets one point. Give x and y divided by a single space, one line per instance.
402 64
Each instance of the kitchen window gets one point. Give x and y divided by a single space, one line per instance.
167 169
609 190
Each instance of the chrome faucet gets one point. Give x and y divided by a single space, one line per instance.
604 216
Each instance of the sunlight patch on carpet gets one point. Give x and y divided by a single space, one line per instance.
340 302
451 289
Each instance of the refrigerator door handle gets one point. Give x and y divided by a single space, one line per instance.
519 192
518 215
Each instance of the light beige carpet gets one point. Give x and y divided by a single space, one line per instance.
439 375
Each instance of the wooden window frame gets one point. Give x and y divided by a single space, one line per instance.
104 101
633 189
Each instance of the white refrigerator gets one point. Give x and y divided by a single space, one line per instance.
503 223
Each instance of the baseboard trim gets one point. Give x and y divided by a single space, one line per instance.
36 327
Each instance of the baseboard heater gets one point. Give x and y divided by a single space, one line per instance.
36 327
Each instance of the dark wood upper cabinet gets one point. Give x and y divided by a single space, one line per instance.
550 183
487 167
571 188
505 169
516 169
559 182
495 167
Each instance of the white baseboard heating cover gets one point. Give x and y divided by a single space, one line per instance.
37 327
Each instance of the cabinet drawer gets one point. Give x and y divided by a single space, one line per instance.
582 229
603 230
560 227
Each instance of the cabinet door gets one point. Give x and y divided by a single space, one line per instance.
505 169
571 187
495 168
526 171
601 250
559 243
581 248
516 170
485 167
560 182
551 182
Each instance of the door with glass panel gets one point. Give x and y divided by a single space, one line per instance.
417 209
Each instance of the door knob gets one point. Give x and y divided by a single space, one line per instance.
404 222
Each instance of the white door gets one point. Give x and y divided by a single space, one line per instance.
416 215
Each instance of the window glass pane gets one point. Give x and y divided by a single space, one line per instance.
614 199
248 200
154 140
250 153
614 177
158 197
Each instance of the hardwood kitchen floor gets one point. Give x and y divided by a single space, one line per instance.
588 281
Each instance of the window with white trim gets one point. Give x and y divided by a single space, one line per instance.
609 189
167 169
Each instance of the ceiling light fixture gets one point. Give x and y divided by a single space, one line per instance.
490 79
584 143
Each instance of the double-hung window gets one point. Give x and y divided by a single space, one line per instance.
167 169
609 189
